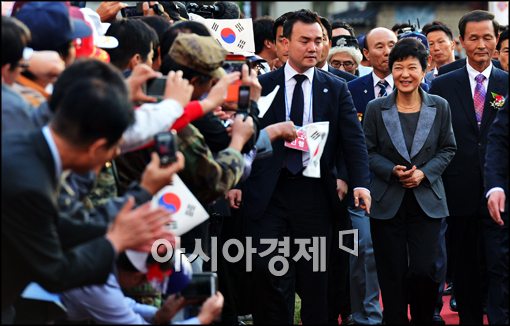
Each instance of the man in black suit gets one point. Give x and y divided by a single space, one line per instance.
83 135
496 230
471 93
278 200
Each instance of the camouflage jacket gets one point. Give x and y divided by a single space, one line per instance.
208 176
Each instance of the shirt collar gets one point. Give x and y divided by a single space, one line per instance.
325 67
472 72
54 151
290 73
388 78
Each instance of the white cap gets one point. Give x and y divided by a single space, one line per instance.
138 259
99 30
196 17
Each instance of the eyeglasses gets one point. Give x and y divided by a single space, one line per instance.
338 64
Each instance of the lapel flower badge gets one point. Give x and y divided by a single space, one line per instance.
498 101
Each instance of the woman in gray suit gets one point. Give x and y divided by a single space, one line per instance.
410 142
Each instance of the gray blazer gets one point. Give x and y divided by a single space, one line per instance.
432 150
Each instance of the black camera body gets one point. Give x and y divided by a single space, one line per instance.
137 10
201 287
155 87
132 11
166 147
206 11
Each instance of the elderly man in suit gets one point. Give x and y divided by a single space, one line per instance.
496 230
278 200
472 92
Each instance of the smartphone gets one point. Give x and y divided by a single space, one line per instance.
201 287
166 147
243 102
233 63
156 87
132 11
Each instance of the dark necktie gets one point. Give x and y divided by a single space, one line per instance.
295 157
479 97
382 87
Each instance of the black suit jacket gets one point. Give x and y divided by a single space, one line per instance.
459 64
496 161
463 178
31 247
331 102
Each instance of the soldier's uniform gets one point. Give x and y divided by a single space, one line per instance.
208 176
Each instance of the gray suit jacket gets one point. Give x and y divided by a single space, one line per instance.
432 150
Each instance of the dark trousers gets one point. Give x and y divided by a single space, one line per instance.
467 274
406 249
8 315
339 299
442 265
496 254
298 209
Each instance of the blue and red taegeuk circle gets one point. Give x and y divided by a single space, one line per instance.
170 201
228 35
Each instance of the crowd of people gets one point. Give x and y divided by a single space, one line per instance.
414 160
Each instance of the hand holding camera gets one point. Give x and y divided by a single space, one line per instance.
242 130
172 87
153 8
218 93
178 88
211 309
136 82
155 176
169 309
250 78
108 10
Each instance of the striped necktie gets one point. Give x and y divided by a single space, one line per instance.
479 97
382 87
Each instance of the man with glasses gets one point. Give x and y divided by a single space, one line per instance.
345 54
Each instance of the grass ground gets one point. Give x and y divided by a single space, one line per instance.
297 311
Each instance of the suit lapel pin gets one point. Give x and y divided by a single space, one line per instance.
325 90
365 91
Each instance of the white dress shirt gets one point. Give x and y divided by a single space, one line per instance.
472 73
389 88
290 83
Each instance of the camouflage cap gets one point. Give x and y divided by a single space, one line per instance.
200 53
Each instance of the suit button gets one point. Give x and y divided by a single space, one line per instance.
479 144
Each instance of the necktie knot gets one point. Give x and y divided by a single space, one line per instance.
299 79
383 83
480 78
382 87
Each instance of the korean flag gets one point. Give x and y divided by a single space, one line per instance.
234 35
187 212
